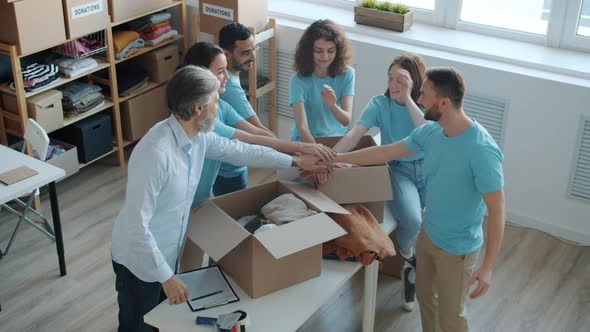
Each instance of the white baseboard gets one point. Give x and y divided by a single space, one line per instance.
555 230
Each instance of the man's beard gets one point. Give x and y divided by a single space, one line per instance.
432 114
243 66
206 124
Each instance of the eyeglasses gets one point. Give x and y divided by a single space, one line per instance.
248 53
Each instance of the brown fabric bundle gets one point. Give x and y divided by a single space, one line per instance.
365 240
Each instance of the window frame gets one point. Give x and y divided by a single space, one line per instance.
562 25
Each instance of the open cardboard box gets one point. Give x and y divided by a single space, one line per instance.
369 185
268 261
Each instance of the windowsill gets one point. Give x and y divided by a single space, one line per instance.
566 66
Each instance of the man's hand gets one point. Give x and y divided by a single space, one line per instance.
176 291
406 84
308 162
319 150
483 275
328 96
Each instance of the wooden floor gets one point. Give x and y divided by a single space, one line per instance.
540 283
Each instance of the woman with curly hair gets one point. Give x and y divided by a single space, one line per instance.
396 114
321 93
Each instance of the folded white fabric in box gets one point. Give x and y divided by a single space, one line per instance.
286 208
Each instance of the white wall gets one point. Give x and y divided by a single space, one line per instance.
540 134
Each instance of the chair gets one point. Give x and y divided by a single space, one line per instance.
37 137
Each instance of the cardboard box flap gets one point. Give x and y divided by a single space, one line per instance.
207 237
298 235
314 198
376 186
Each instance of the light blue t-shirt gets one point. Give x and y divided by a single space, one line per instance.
226 118
458 170
320 120
235 96
391 118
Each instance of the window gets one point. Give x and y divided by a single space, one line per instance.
584 21
555 23
523 15
420 4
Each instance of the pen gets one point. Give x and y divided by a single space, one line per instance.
207 295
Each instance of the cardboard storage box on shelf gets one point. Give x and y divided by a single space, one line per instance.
160 64
45 108
214 14
124 9
32 25
85 16
141 113
271 260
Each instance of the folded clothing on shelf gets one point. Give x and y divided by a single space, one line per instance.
129 77
74 91
141 85
73 67
148 21
125 41
80 97
155 27
147 36
36 76
164 36
80 47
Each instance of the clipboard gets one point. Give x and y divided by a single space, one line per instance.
208 287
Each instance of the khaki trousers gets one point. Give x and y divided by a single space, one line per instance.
442 286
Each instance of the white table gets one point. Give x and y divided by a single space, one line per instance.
300 301
46 174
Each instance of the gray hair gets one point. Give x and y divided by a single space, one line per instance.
190 86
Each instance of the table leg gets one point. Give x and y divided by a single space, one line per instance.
59 242
370 296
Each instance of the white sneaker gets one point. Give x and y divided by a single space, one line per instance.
408 287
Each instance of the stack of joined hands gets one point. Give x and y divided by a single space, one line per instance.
315 161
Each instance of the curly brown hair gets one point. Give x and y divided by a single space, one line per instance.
414 64
328 30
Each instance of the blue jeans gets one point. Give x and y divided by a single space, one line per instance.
409 191
224 185
136 298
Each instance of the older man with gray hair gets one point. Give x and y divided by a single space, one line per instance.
163 174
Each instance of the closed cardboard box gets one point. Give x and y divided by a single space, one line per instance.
141 113
32 25
124 9
263 262
85 16
160 64
214 14
45 108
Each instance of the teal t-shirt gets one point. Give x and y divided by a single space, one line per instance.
320 120
226 118
235 96
391 118
458 170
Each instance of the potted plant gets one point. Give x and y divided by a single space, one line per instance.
384 14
